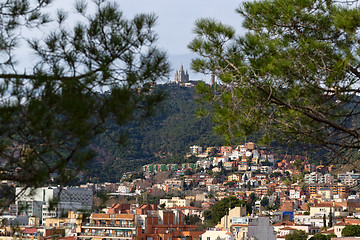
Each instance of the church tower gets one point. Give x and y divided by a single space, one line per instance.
181 76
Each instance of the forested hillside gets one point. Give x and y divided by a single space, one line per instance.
166 136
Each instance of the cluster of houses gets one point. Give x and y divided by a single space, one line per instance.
286 194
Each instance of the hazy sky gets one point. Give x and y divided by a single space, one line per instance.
176 18
176 22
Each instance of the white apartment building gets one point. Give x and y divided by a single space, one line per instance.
37 202
217 235
326 178
196 150
235 155
312 177
349 178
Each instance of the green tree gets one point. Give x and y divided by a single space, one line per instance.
222 207
264 202
253 198
320 236
297 235
324 220
330 218
298 165
230 184
193 220
351 231
275 174
277 201
188 172
83 75
295 72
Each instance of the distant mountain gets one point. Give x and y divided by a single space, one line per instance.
166 136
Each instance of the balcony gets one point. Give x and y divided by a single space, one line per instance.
103 226
105 235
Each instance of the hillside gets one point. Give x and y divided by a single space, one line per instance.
165 136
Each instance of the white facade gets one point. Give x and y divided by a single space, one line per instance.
217 235
235 155
326 178
204 163
302 219
248 153
294 194
312 177
349 178
266 169
36 202
124 189
195 150
61 209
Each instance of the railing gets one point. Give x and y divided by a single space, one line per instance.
104 235
108 225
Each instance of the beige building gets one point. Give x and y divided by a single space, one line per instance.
175 202
234 177
321 209
228 219
73 222
174 183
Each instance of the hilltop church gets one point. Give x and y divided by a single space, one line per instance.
182 77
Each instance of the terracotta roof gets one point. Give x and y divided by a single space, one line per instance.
187 207
284 223
324 204
29 231
341 224
287 228
239 225
68 238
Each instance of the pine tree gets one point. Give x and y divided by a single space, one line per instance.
100 69
294 75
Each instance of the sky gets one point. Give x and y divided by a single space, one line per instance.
176 23
176 18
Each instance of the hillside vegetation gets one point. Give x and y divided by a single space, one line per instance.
164 137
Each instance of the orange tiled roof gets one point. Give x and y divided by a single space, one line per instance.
284 223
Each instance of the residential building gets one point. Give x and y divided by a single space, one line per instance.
234 216
166 225
217 235
196 150
312 177
36 202
175 202
109 226
349 178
